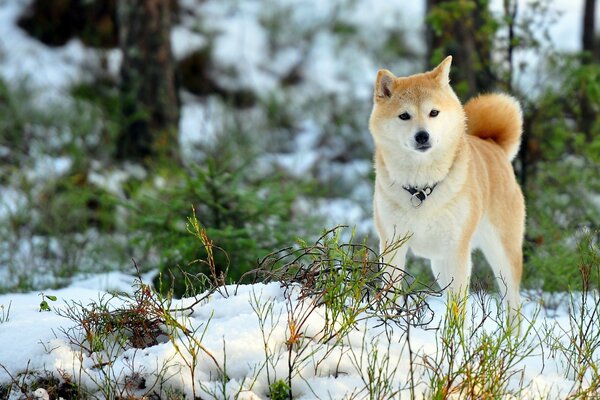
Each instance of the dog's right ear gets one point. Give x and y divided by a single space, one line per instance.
383 85
441 73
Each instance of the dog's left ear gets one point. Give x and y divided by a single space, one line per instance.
441 73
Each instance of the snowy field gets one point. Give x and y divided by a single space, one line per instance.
246 330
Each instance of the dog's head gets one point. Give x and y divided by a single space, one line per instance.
419 114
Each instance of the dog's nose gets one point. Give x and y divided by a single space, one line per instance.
422 137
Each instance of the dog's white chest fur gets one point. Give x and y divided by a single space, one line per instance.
434 227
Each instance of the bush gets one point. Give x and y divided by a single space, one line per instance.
245 219
279 390
562 175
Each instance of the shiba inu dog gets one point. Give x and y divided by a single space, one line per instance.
444 177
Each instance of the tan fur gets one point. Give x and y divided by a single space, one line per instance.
477 201
496 117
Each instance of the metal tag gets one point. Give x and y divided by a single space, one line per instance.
416 201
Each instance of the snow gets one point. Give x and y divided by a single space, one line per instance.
114 282
22 58
185 41
198 125
10 201
241 42
228 325
47 167
112 179
566 31
242 47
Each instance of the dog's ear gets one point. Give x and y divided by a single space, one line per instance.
441 73
383 84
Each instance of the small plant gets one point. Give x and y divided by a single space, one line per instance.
5 312
44 306
578 343
268 319
347 285
103 332
376 367
280 390
473 360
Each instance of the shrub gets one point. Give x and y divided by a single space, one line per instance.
245 219
279 390
562 176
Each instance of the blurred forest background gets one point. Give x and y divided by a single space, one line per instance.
119 118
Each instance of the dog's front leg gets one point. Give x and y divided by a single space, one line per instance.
393 258
453 272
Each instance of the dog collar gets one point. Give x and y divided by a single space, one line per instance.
418 195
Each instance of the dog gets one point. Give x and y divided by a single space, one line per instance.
443 178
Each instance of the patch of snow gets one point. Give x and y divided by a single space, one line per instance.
185 41
241 45
113 281
41 394
297 164
48 168
112 179
229 328
368 14
566 31
11 201
114 59
342 211
198 126
4 151
49 70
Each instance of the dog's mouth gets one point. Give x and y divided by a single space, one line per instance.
422 147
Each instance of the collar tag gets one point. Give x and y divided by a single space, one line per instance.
418 196
415 200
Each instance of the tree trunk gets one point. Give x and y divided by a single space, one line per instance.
150 103
588 115
589 25
462 36
510 15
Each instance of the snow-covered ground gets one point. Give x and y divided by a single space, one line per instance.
230 325
247 331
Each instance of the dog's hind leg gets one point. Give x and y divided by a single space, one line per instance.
505 256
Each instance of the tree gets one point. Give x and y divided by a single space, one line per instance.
588 45
464 29
147 82
589 27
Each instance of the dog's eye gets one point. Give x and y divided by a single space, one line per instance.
404 116
434 113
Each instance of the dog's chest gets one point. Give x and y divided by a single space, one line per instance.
434 228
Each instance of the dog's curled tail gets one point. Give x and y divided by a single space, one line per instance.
498 117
